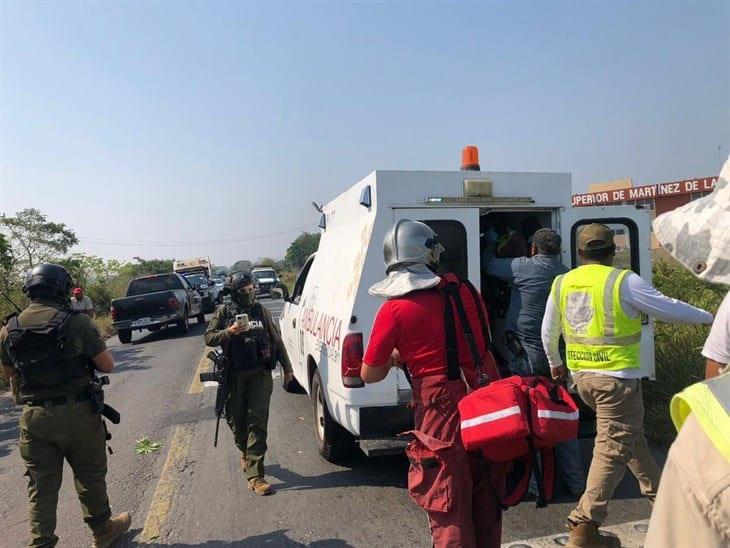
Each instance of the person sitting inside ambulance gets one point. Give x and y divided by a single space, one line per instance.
460 492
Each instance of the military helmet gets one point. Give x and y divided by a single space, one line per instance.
51 277
237 280
410 243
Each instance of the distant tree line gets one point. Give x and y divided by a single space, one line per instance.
29 238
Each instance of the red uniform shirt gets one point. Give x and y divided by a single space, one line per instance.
414 324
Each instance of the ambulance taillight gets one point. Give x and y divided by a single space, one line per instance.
352 353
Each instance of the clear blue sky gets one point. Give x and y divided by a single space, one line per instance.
193 121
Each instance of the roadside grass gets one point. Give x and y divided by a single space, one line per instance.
679 361
288 277
104 324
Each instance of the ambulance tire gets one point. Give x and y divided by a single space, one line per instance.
334 443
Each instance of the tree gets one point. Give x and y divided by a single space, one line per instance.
266 261
241 264
301 248
34 239
6 255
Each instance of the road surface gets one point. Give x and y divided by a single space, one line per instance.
189 494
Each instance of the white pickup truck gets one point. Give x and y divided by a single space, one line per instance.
327 319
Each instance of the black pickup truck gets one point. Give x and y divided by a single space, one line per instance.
154 302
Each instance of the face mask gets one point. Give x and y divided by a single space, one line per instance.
246 299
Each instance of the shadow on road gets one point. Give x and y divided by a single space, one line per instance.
275 538
196 330
374 472
130 357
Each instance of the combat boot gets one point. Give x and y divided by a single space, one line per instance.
585 535
111 530
259 486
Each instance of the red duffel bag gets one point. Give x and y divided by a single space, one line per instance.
505 417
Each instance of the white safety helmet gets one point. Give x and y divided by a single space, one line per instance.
410 243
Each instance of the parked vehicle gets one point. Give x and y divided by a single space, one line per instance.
326 321
216 289
204 288
198 265
154 302
265 279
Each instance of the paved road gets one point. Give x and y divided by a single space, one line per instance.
190 494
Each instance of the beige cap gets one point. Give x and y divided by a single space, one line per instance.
595 236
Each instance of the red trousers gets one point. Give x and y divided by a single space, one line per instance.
460 492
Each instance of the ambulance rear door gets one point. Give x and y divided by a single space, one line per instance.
457 230
632 235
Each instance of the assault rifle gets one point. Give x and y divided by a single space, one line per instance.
221 374
97 399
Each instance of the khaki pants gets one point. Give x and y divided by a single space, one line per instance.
73 432
620 442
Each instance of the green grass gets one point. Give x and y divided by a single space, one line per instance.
679 361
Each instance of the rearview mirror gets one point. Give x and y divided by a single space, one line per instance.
277 293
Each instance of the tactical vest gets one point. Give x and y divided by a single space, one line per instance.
710 403
251 349
598 334
40 355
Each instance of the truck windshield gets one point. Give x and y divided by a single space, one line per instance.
261 274
196 279
151 285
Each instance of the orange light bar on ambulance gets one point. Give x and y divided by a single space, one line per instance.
470 158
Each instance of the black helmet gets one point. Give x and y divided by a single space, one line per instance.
237 280
53 279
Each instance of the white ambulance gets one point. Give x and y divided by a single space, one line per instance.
326 320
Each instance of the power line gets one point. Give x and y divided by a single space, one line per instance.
174 243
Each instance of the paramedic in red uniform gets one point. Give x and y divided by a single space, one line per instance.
459 490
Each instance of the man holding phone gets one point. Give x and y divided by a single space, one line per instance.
252 342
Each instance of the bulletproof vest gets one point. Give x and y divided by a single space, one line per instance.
251 349
40 354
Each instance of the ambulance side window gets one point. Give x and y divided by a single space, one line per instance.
625 238
301 280
452 235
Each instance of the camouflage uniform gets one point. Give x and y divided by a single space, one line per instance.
247 405
51 431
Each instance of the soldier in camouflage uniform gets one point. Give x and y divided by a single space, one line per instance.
47 352
252 351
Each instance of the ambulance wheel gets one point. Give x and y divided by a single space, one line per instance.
125 335
333 441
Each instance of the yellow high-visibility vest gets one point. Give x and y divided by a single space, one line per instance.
710 402
598 334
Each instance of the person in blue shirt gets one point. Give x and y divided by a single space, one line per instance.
531 279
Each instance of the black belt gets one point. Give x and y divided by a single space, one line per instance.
73 398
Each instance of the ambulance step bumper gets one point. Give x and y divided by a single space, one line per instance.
379 448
